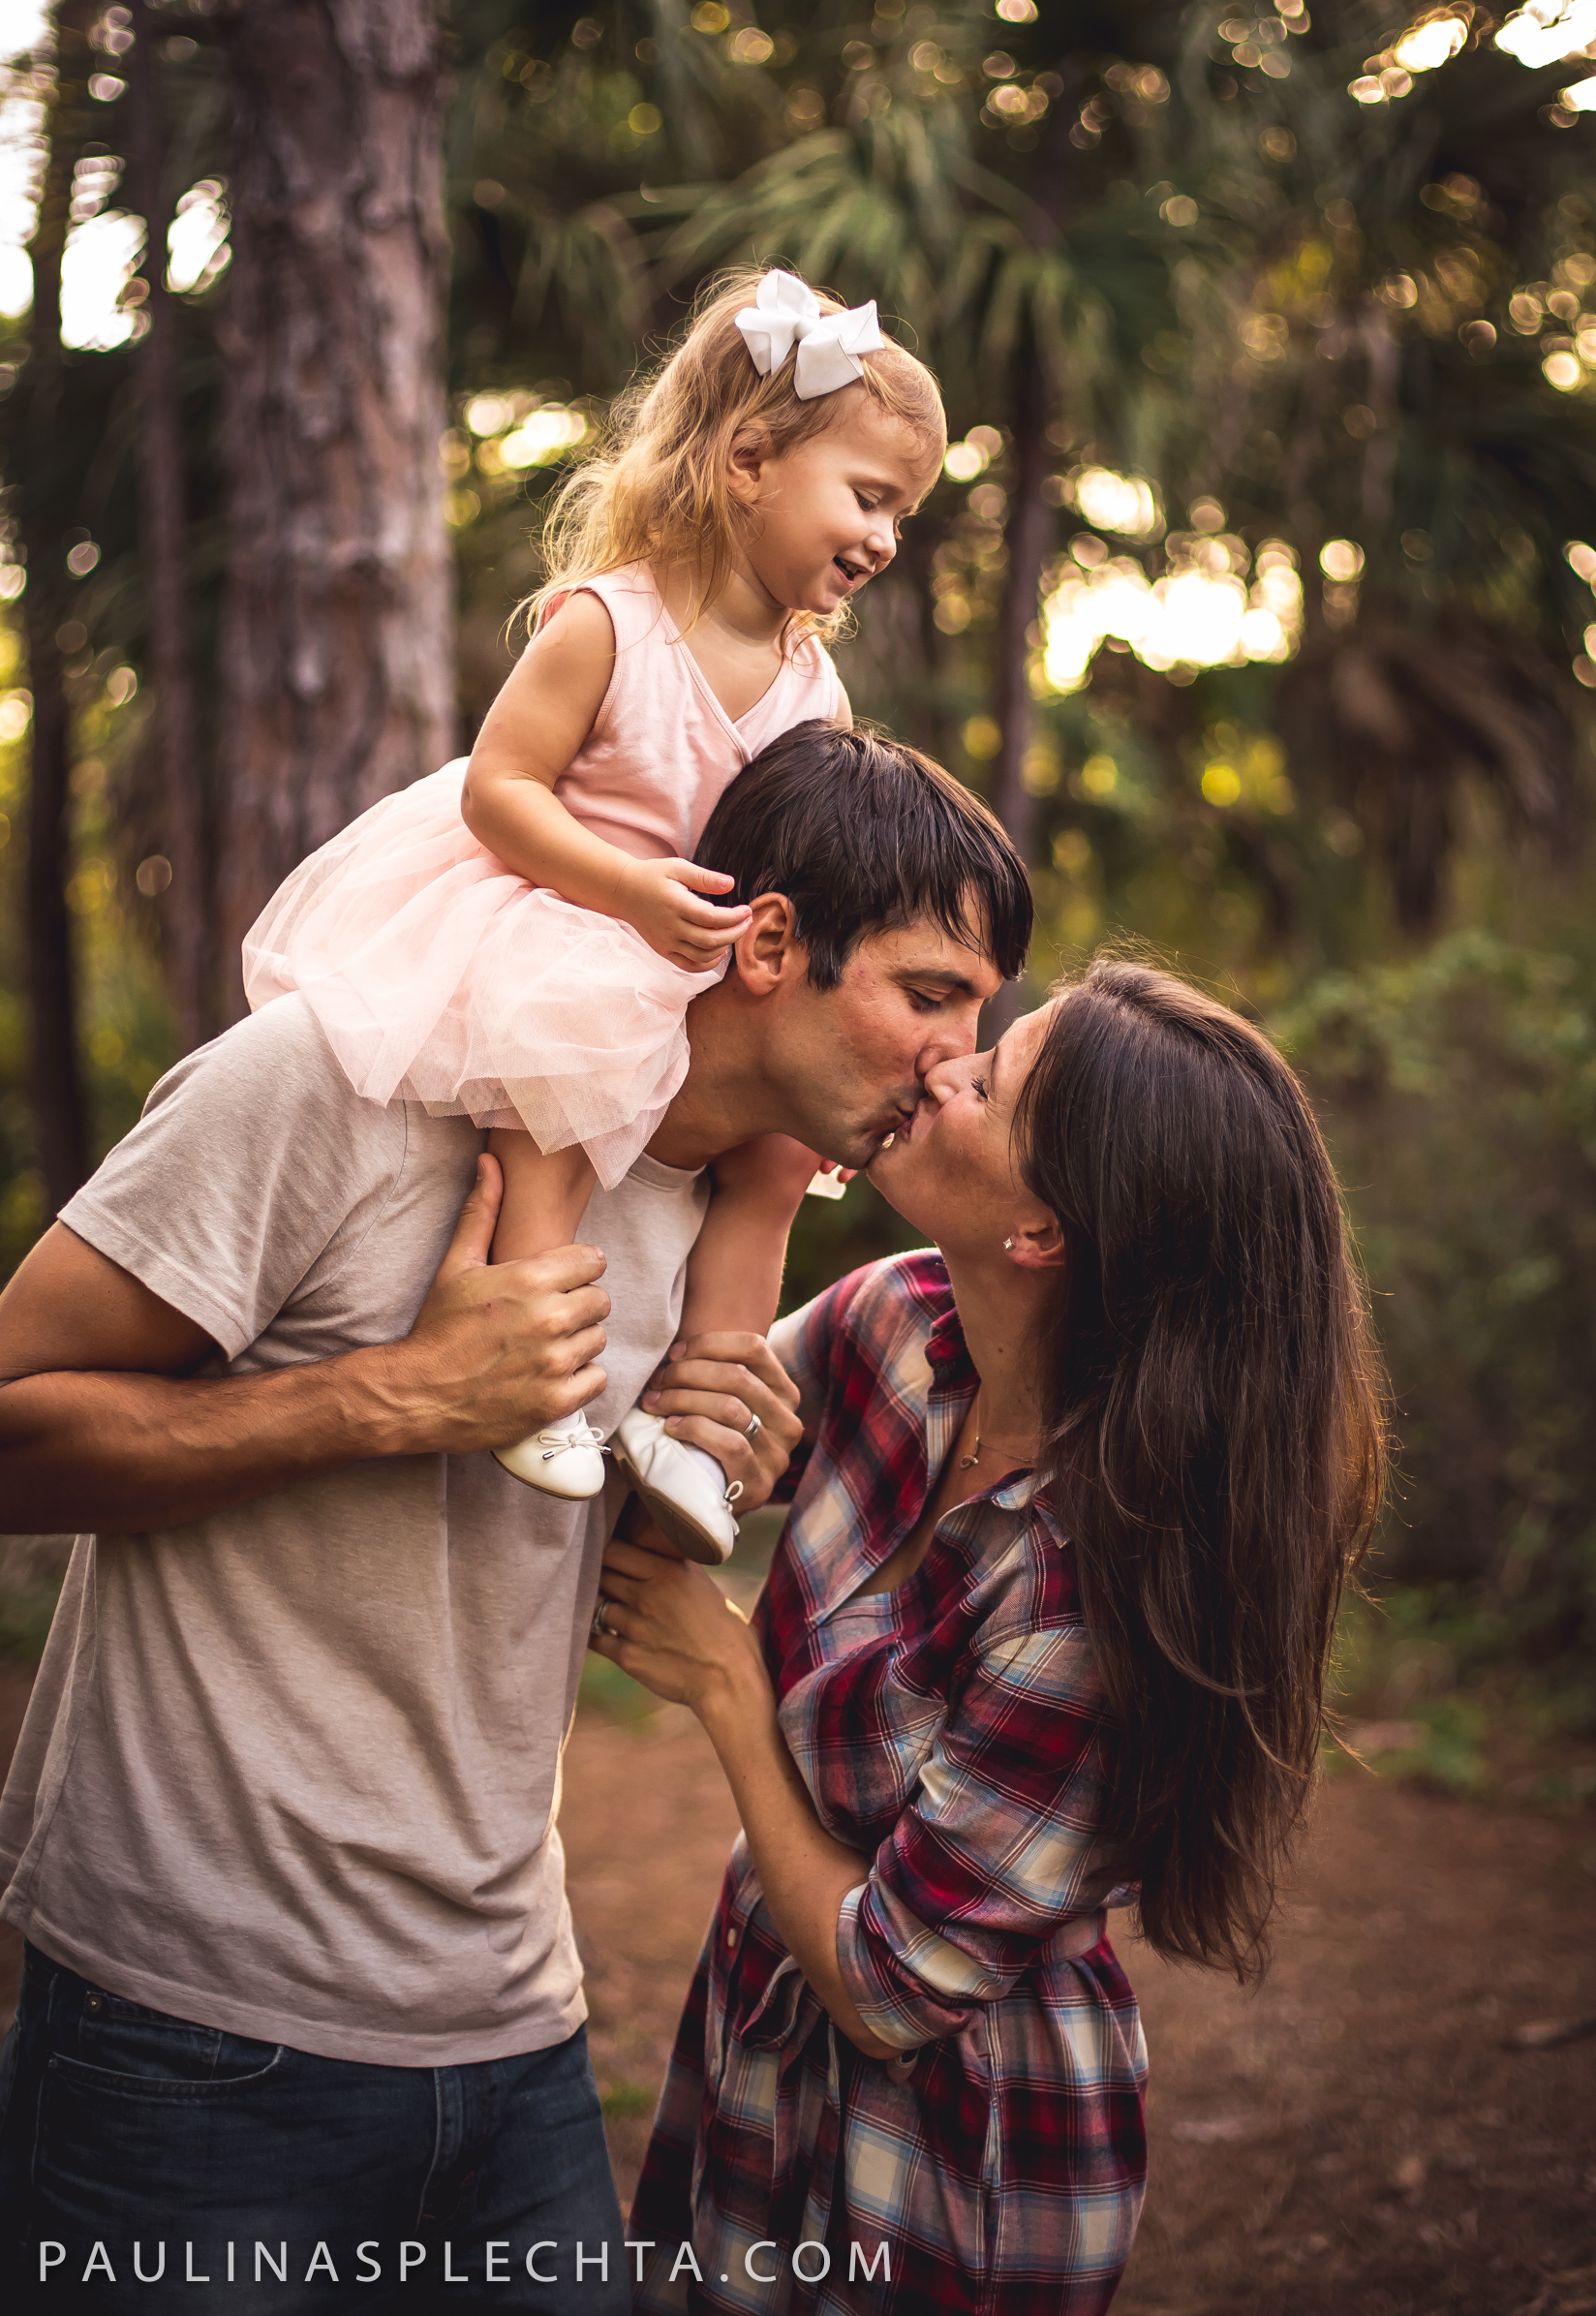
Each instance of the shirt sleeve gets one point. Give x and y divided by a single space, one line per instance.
804 1343
250 1159
996 1851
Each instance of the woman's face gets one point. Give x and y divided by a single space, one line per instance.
954 1171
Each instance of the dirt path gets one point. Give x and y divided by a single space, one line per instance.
1355 2140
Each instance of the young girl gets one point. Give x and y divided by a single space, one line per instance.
521 948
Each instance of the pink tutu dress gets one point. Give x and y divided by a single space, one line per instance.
441 977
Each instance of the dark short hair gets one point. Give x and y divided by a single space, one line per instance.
863 835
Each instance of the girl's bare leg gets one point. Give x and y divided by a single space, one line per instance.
545 1198
733 1284
734 1272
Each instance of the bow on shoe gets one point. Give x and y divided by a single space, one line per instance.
786 313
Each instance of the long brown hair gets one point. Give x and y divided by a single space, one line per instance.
658 492
1213 1431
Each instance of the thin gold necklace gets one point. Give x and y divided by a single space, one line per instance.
974 1456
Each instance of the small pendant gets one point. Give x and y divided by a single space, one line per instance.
973 1457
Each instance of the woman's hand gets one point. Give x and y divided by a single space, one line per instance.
706 1396
663 900
667 1623
670 1627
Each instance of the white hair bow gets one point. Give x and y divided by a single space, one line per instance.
786 312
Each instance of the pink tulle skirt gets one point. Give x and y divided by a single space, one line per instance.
442 977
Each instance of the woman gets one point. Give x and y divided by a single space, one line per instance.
1076 1501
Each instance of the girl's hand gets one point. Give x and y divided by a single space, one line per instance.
669 1625
660 899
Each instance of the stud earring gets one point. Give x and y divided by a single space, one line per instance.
1008 1245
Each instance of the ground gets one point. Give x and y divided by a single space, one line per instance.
1359 2139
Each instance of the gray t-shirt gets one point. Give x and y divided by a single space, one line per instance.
293 1771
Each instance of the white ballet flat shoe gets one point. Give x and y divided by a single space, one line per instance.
565 1458
683 1488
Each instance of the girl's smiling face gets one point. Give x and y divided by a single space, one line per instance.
827 512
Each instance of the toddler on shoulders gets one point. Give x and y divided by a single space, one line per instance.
521 945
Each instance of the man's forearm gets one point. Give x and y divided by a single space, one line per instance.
100 1427
137 1451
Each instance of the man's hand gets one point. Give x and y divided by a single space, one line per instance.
662 901
498 1350
706 1394
101 1428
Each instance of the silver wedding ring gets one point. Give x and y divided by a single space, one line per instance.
754 1427
598 1627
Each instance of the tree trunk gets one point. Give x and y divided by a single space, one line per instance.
59 1112
336 635
185 908
1029 535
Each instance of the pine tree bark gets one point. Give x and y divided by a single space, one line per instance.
185 911
1028 536
1029 539
336 637
60 1120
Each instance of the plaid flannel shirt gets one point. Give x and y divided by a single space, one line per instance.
952 1731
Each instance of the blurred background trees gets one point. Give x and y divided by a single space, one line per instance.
1254 594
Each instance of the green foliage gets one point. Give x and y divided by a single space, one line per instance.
605 1688
833 1236
125 1021
622 2098
25 1613
1459 1094
1430 1683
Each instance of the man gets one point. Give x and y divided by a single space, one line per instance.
302 2002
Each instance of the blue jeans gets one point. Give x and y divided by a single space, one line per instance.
143 2157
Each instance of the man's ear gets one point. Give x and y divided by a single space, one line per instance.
745 466
765 951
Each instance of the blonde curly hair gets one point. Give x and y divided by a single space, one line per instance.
657 491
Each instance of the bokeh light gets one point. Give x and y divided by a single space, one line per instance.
1198 612
973 456
99 260
197 240
1548 30
1427 46
515 429
489 413
1121 503
544 435
1340 559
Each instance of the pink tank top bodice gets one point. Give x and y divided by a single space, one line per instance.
662 748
